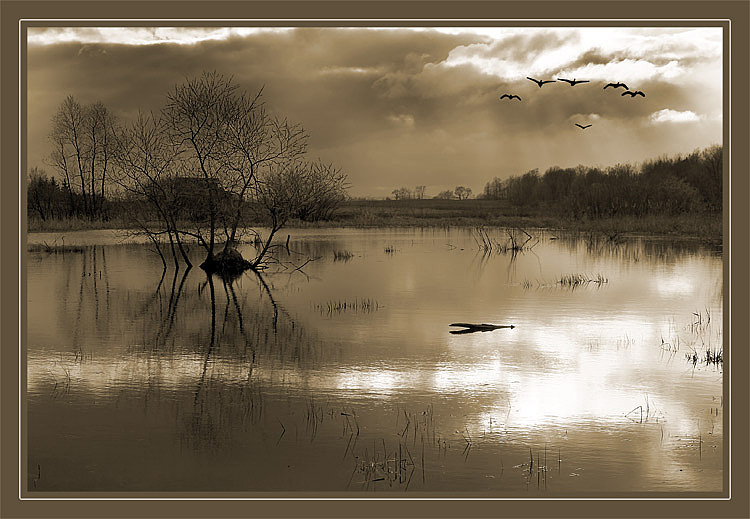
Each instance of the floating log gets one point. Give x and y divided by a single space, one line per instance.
484 327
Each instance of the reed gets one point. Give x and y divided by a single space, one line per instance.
569 281
54 248
342 255
576 280
339 306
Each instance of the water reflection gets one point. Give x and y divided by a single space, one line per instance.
177 366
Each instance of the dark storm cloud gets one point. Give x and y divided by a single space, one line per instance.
391 107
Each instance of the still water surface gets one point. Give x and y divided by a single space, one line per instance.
344 377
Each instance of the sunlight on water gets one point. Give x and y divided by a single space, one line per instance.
133 378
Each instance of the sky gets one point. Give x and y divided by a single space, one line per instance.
399 107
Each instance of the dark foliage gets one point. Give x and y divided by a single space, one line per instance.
668 185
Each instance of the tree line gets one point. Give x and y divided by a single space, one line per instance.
404 193
198 169
667 185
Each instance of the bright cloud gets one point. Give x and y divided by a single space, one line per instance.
672 116
139 35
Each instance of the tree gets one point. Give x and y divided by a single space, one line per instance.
43 195
82 136
210 158
227 136
444 195
148 167
402 194
284 190
462 193
495 190
324 189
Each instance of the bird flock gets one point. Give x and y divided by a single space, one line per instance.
573 82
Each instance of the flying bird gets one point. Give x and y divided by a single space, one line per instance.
633 94
582 127
539 82
510 96
616 85
573 82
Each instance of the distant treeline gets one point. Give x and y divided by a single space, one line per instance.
667 185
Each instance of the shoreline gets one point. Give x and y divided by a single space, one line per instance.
705 227
40 237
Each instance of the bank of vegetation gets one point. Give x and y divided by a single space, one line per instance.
667 186
214 164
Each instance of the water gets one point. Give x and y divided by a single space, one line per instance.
343 377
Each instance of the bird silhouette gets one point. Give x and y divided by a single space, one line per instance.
573 82
616 85
539 82
633 94
582 127
510 96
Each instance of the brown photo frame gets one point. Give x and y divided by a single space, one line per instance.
734 16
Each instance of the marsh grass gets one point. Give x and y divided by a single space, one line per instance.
339 306
568 281
576 280
342 255
55 247
699 342
709 356
516 241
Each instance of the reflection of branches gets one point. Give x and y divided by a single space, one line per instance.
270 297
174 300
290 265
229 290
213 338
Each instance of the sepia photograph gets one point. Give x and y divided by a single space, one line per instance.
392 260
376 259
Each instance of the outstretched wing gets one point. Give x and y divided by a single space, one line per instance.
627 93
566 80
506 95
582 81
532 79
517 97
639 93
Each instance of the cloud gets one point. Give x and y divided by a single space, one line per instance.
405 120
139 35
411 107
672 116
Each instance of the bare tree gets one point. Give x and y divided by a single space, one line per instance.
243 158
148 166
227 137
402 193
196 119
82 136
462 193
445 195
254 140
284 190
